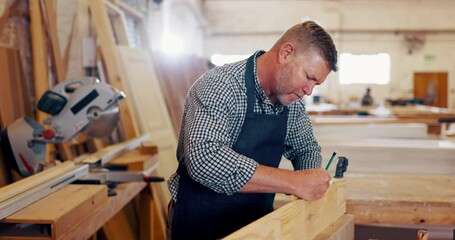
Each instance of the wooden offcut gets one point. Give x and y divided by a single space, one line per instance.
298 219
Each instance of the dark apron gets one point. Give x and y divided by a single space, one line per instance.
201 213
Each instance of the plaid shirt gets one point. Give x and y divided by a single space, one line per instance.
214 112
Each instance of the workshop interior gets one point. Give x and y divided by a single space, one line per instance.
93 92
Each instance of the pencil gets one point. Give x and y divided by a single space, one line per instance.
331 159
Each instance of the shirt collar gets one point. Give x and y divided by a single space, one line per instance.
259 91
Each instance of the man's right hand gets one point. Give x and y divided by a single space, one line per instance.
311 184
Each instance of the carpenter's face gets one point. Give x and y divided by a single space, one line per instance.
299 76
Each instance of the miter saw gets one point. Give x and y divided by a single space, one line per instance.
83 105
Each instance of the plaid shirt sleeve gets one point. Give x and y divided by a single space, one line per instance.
301 146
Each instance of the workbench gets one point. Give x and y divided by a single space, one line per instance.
73 212
78 211
403 201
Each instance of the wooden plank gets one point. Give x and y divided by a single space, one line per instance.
298 219
341 229
401 199
6 104
152 114
151 221
113 65
110 152
63 209
118 20
149 148
135 160
40 66
25 184
4 171
96 219
121 225
12 95
48 10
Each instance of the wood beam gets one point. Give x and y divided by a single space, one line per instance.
298 219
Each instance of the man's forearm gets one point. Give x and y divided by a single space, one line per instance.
308 184
268 179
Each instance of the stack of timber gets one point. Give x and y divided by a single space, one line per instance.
325 218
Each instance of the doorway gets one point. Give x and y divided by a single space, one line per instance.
431 87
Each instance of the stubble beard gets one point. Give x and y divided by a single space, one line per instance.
284 87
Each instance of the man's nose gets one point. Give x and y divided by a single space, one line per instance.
308 89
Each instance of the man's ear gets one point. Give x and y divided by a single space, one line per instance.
287 52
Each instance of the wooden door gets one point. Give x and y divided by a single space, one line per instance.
431 87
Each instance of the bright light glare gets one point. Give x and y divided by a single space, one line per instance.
172 44
221 59
368 69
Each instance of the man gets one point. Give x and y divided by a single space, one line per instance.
238 121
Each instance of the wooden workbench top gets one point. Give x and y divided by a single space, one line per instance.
401 198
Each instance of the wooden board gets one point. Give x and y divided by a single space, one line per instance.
135 160
110 152
12 98
401 199
298 219
152 114
96 219
113 65
25 184
63 209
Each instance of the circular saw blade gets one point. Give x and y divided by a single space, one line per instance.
102 122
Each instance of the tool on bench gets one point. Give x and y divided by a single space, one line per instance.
76 106
342 166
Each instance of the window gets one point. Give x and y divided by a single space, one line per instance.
366 69
221 59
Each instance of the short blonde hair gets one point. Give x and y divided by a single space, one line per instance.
309 35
